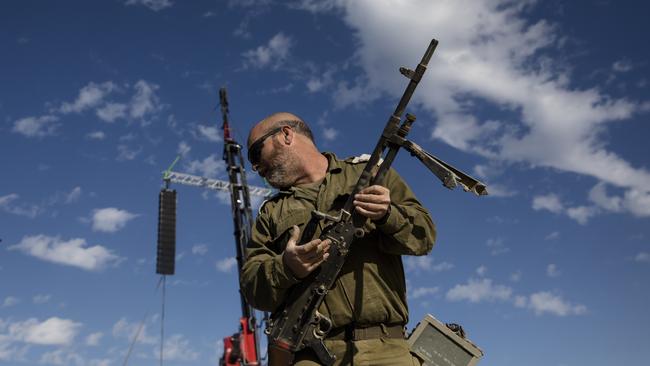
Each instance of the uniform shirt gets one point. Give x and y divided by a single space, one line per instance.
371 288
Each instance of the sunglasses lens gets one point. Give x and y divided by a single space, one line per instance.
254 154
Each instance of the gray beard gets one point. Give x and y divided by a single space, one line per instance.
280 172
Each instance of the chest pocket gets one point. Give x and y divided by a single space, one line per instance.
286 222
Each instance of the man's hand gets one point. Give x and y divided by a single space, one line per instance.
373 202
303 259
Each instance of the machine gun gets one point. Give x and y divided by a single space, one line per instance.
298 324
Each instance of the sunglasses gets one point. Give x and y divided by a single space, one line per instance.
255 150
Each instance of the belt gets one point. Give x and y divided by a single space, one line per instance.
352 332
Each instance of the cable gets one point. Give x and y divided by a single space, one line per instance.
162 320
137 334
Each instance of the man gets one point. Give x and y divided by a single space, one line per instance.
367 304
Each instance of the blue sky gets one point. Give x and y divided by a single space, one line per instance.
547 102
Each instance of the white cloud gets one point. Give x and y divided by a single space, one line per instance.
94 338
123 329
550 202
330 134
273 54
552 271
515 276
497 246
425 264
177 348
74 252
73 196
127 153
62 357
622 66
183 148
643 257
634 201
419 292
145 101
209 167
209 133
41 299
545 302
7 205
111 112
96 135
200 249
53 331
496 54
36 126
90 96
552 236
582 214
226 264
479 290
111 219
481 271
10 301
155 5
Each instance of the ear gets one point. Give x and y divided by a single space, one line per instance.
288 134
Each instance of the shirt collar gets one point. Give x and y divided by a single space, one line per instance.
333 167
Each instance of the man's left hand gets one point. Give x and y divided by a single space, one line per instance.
373 202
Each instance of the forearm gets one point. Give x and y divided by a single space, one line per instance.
265 280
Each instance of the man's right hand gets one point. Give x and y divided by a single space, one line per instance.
303 259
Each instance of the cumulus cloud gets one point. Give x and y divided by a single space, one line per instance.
94 338
155 5
199 249
183 148
642 257
273 54
41 299
209 133
143 104
96 135
330 133
499 56
112 112
53 331
546 302
226 264
483 290
425 264
90 96
209 167
111 219
74 252
124 329
177 348
419 292
551 202
552 270
36 126
481 271
8 204
10 301
478 291
145 101
497 246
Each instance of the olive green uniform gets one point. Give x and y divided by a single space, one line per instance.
371 288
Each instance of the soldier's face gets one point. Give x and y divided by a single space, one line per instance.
276 164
